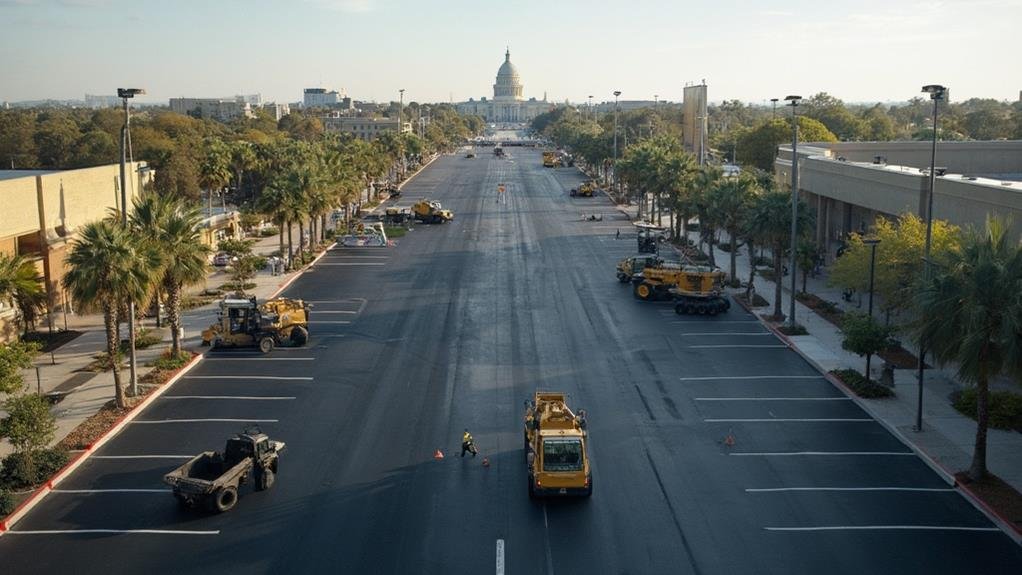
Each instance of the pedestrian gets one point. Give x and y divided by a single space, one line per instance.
467 444
617 235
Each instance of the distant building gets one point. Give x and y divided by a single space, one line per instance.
277 111
255 100
97 102
363 128
220 109
508 103
321 98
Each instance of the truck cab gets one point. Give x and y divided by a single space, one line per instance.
556 444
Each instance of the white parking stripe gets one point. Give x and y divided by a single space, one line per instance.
772 399
500 557
883 528
723 377
780 489
257 358
318 311
760 333
152 421
322 322
262 377
342 255
352 264
114 531
835 420
712 321
87 491
811 453
735 346
142 457
242 397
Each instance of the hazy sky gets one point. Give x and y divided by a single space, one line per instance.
866 50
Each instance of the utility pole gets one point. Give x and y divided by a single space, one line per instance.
794 200
126 94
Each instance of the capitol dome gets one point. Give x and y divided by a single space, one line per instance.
509 83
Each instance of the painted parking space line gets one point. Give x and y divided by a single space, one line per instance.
319 311
883 528
785 489
209 420
741 377
328 321
703 334
260 377
113 532
768 420
91 491
259 358
338 254
500 557
738 346
821 453
238 397
142 456
772 399
691 322
350 264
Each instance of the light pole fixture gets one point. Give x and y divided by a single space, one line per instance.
872 243
774 100
937 93
592 113
616 94
126 94
793 102
401 125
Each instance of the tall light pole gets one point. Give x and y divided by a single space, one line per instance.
774 100
794 199
937 93
401 125
592 113
126 94
872 243
616 94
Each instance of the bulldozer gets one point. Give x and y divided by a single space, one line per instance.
243 322
431 212
556 447
694 289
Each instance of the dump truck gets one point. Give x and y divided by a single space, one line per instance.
556 447
243 322
694 289
431 212
551 159
211 479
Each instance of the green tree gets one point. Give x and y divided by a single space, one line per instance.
21 284
29 425
970 313
95 148
55 138
215 167
14 357
730 199
17 142
107 266
805 258
864 336
835 116
758 146
769 221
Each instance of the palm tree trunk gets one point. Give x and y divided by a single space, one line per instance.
710 240
174 315
778 280
290 245
113 352
301 238
752 274
978 469
734 263
280 227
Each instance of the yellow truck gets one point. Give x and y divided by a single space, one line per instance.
551 159
431 212
556 447
696 290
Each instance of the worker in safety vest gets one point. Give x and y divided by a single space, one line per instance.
467 444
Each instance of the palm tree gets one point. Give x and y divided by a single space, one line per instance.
769 222
173 228
970 313
21 284
215 167
107 266
704 182
729 199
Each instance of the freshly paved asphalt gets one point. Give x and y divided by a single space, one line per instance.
456 328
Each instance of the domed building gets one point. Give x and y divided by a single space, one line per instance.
508 104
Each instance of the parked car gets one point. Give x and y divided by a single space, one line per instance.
221 259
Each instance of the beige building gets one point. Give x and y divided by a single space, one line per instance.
363 128
220 109
508 104
42 211
849 183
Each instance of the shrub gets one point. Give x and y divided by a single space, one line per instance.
797 329
1005 407
144 339
167 362
29 425
864 388
6 502
15 357
28 469
267 232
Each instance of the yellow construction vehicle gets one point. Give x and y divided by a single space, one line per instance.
556 447
628 268
244 323
551 159
431 212
694 289
586 189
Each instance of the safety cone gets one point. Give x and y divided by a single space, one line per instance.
729 440
486 462
438 454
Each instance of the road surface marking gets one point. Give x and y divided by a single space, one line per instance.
114 531
714 322
500 557
267 377
883 527
319 311
772 399
142 457
321 322
84 491
352 300
821 420
352 264
725 333
546 539
242 397
778 489
257 358
137 421
342 255
787 453
751 377
735 346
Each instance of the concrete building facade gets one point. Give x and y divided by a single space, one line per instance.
363 128
43 211
849 184
220 109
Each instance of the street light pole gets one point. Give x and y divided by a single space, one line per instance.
401 125
774 100
592 113
794 199
617 192
937 93
872 243
126 94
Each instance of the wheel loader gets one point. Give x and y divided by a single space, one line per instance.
245 323
694 289
431 212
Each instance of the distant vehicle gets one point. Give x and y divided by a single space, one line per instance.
551 159
470 155
221 259
498 152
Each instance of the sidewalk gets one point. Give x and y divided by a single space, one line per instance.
947 436
87 391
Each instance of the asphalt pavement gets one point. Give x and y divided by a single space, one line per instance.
715 448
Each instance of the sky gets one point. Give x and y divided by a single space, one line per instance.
442 50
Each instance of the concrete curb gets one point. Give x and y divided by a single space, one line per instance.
1015 533
304 269
68 469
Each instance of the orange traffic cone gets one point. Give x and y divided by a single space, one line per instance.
729 440
486 462
438 454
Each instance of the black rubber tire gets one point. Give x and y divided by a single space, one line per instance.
679 308
532 489
184 502
701 308
712 309
623 278
225 499
266 479
639 288
299 336
589 491
266 344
